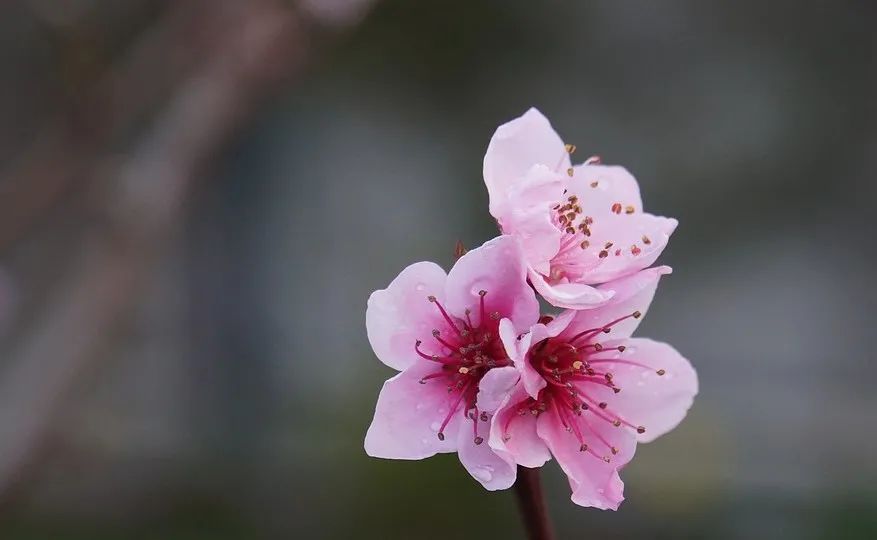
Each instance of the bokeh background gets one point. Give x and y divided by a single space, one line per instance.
197 197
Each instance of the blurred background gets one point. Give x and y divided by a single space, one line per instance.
197 197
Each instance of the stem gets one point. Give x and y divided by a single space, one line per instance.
532 505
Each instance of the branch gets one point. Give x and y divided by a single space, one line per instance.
144 204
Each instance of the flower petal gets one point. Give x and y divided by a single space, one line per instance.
494 471
515 435
399 315
528 216
623 238
517 349
594 482
497 268
657 402
614 184
569 295
515 147
495 387
408 416
631 293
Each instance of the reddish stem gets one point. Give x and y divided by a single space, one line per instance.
531 503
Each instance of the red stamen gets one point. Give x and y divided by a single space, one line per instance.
453 409
445 314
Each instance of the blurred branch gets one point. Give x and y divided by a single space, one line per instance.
66 150
142 205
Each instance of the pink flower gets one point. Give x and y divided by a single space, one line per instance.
578 225
442 332
589 392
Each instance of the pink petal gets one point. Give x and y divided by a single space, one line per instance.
408 416
493 470
530 378
528 216
517 349
657 402
628 238
594 482
517 146
401 314
495 387
631 293
498 268
569 295
614 184
520 441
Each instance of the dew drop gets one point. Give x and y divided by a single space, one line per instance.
485 474
435 426
478 286
420 286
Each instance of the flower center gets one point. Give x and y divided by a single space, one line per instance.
568 216
573 367
467 353
568 263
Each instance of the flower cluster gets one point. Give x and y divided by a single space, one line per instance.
483 373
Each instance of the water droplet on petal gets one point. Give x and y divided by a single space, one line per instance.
420 286
435 426
479 286
485 474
